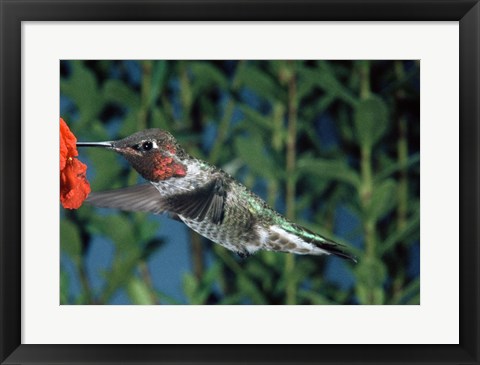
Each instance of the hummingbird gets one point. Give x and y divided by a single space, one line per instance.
206 198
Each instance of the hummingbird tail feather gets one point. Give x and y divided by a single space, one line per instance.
335 249
296 239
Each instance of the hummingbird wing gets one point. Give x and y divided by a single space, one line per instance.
138 198
195 204
207 200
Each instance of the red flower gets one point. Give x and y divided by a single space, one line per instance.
74 187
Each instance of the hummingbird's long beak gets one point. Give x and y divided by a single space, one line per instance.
95 144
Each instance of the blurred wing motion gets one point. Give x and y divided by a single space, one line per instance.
196 204
139 198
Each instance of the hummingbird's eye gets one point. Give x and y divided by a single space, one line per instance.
147 145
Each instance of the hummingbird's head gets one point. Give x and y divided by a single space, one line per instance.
154 153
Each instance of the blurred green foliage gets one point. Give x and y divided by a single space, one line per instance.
334 145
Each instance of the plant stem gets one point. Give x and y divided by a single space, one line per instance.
222 132
185 94
197 254
80 262
366 197
145 94
186 100
85 282
147 278
402 151
367 189
364 79
402 156
291 285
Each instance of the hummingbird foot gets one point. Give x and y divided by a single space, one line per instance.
243 254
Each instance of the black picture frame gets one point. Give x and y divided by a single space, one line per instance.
467 12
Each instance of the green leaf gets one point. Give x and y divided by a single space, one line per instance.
198 291
106 166
328 170
324 78
262 273
415 300
260 82
409 292
159 76
375 296
207 283
206 76
232 299
270 258
255 118
139 292
371 121
212 275
148 226
252 151
70 241
119 229
125 262
412 226
130 123
393 168
96 132
167 299
383 199
83 89
284 70
311 111
314 298
279 134
190 286
117 91
345 124
64 286
371 274
248 287
160 119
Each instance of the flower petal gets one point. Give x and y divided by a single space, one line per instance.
74 187
68 144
